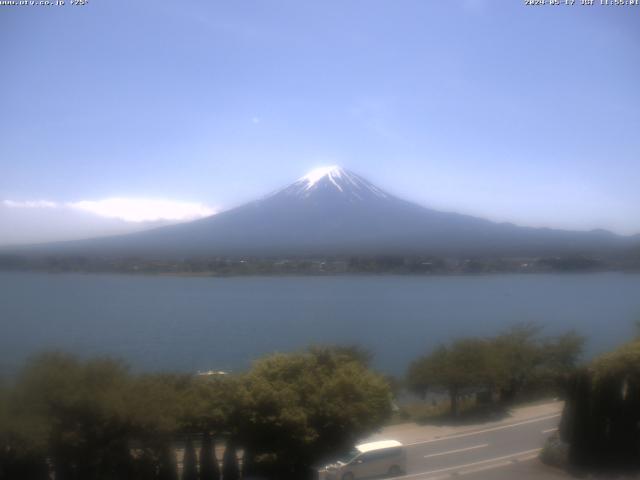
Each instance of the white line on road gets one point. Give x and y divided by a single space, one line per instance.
468 434
484 468
457 450
480 462
506 463
549 430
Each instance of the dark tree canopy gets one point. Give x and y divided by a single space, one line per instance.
465 364
602 411
303 406
508 363
95 420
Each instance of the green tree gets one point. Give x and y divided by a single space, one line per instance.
302 406
210 404
155 405
563 352
518 355
85 416
80 410
419 378
353 352
22 453
463 365
527 362
602 411
96 421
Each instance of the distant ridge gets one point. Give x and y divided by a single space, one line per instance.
333 211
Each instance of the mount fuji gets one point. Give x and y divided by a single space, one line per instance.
333 211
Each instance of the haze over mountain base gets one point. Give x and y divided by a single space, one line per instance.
332 212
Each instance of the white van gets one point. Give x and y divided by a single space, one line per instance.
386 458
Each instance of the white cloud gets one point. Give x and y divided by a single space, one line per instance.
143 209
30 204
127 209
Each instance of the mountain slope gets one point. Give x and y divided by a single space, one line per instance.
332 211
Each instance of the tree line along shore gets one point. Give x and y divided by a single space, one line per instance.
332 265
86 419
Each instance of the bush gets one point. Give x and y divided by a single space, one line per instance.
601 421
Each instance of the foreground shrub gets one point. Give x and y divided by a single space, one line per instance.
601 421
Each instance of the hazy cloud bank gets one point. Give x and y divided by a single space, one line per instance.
33 221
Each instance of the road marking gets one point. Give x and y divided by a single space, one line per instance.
549 430
477 432
482 468
480 462
457 450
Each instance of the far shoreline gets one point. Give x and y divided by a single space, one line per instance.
214 275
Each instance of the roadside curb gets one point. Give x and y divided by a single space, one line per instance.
498 425
430 433
475 467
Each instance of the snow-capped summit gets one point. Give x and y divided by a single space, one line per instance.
333 180
314 176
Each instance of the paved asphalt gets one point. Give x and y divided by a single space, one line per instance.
499 452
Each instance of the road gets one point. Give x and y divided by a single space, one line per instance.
487 453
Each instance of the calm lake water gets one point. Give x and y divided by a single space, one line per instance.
194 324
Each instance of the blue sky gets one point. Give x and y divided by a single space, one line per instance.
487 107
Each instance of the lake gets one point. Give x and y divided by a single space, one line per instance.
191 323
